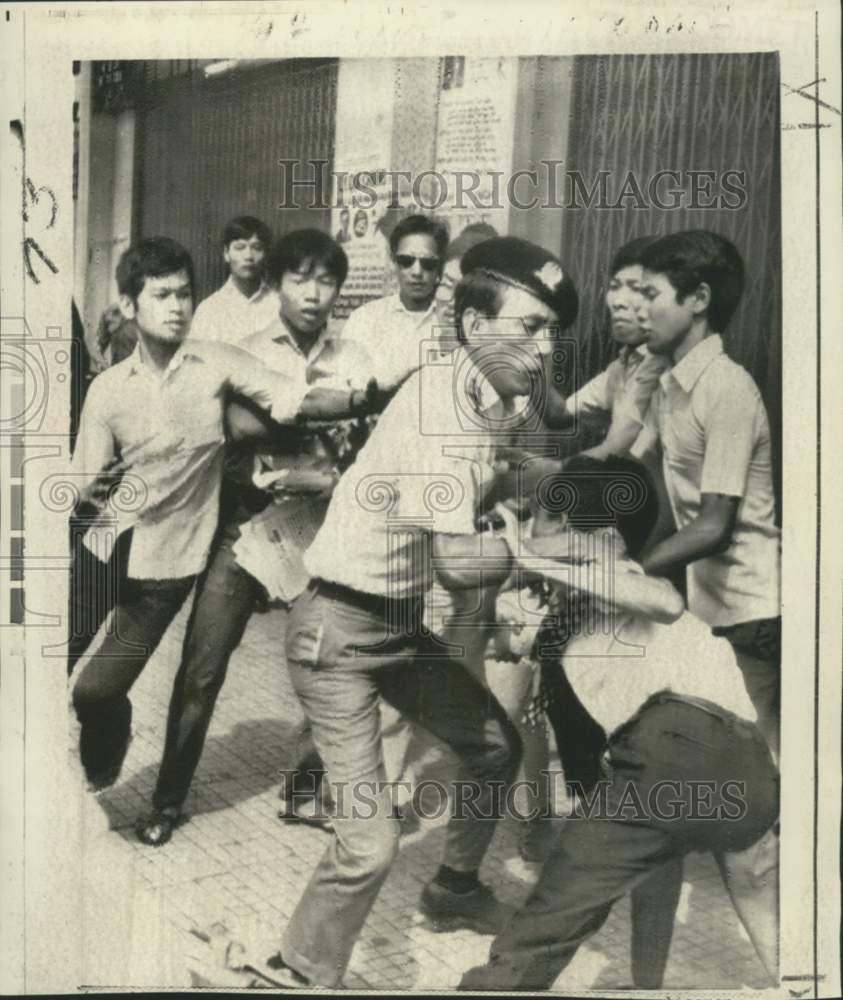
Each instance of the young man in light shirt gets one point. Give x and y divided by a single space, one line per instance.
623 389
393 329
356 634
688 768
245 303
306 269
708 421
153 426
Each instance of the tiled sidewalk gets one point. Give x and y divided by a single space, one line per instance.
235 862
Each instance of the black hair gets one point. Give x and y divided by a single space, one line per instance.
305 247
244 227
154 257
421 224
479 290
630 253
617 491
689 258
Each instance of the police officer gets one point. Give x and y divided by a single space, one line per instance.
355 635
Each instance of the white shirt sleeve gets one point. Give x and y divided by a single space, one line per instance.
277 393
594 400
730 414
94 441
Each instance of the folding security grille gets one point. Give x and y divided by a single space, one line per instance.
208 149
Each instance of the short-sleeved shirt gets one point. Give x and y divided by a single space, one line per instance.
394 337
710 420
425 468
623 389
331 363
169 429
229 316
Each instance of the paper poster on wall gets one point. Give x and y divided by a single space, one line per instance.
474 139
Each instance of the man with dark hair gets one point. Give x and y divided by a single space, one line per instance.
394 328
356 633
709 422
620 394
152 426
245 303
306 269
679 723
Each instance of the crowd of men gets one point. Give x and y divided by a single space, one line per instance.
458 580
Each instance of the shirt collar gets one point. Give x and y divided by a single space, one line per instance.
632 355
687 371
187 349
231 289
279 333
399 307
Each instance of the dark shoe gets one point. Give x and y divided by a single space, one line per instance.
219 960
479 910
156 830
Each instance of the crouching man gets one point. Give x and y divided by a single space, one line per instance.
688 767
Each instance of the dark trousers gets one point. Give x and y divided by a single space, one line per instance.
580 742
224 602
143 610
758 650
600 858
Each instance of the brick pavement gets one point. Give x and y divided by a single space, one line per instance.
235 862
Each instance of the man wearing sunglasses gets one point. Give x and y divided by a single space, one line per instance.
392 329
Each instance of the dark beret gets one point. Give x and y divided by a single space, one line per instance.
526 265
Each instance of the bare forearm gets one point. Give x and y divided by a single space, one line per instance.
698 540
465 562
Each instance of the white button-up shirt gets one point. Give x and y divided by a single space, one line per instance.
229 316
169 429
627 658
332 363
394 337
711 422
425 468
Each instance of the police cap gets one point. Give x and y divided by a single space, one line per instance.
526 265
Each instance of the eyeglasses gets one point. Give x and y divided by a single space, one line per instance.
406 261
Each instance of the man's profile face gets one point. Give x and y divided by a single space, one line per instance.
417 266
624 300
163 309
665 321
307 296
245 257
510 348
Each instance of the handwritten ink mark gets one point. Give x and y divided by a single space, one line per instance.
35 195
30 244
800 92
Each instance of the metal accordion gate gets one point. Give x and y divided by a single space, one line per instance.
209 147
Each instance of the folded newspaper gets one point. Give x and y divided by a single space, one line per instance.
271 546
